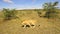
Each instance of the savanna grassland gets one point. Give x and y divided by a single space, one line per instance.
42 26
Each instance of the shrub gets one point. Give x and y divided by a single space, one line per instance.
9 14
50 9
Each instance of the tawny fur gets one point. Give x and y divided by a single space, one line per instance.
28 22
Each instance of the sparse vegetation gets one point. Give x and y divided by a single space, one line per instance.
9 14
42 26
50 9
30 21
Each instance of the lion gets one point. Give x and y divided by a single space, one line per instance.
28 23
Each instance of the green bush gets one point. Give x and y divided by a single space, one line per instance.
9 14
50 9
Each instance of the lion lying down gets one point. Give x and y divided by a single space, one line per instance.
28 23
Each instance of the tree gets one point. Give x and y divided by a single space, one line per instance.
50 9
9 14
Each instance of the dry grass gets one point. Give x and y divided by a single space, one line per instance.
14 26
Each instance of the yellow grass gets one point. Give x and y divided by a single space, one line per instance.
14 26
